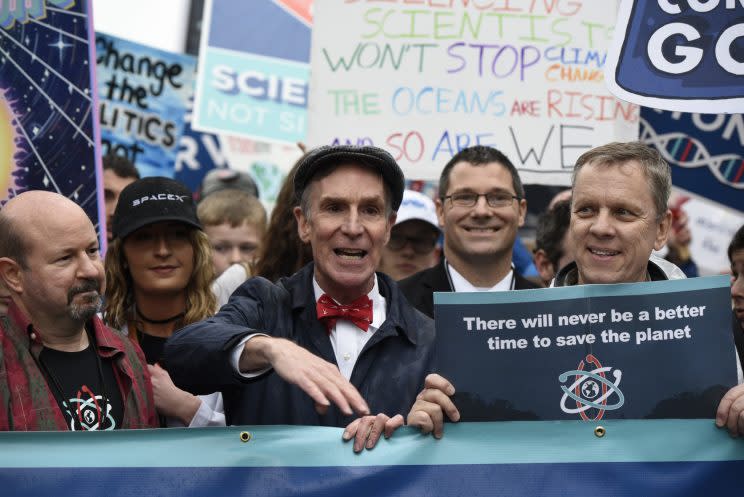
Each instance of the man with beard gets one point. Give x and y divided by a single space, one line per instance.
64 369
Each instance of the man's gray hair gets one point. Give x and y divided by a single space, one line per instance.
657 171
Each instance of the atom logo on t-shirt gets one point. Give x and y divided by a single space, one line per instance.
89 411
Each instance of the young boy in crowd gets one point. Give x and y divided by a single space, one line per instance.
235 223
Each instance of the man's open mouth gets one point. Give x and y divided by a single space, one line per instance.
603 252
350 254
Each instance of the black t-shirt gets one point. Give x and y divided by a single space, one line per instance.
152 346
75 381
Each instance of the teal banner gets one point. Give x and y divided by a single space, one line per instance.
631 458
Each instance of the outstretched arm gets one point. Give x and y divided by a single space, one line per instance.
318 378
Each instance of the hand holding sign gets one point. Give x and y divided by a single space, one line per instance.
431 404
731 411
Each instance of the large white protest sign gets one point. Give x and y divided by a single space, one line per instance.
425 79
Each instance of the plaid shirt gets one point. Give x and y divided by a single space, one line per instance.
28 404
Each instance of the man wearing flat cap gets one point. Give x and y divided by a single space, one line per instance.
335 340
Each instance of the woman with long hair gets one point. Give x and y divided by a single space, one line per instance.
158 275
282 253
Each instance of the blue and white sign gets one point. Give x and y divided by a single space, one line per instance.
660 349
253 71
144 93
683 56
705 151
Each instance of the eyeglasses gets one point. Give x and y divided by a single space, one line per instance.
420 245
469 199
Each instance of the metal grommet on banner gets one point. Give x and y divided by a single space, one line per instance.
599 431
245 436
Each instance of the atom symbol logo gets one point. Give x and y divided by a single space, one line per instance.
90 416
89 411
590 389
587 387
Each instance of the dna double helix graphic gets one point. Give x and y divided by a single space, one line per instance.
686 151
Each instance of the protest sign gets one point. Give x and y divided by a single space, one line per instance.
659 349
197 153
144 94
706 152
682 56
253 69
47 129
427 80
267 163
635 457
712 229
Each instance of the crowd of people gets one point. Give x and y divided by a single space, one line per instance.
209 314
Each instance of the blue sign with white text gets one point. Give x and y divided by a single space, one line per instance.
646 350
686 56
705 151
254 71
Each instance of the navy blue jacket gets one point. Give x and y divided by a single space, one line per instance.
389 372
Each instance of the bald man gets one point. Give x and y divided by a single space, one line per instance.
66 370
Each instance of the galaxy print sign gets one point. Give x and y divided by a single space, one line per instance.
47 119
144 94
660 349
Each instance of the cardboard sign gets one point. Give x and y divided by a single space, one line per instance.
426 80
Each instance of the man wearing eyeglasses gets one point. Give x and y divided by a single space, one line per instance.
480 207
413 240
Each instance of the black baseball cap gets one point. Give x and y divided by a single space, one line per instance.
152 200
326 156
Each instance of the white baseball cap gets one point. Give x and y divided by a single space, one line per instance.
416 205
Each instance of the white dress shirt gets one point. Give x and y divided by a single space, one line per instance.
347 340
460 284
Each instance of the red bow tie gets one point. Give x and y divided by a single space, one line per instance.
358 312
